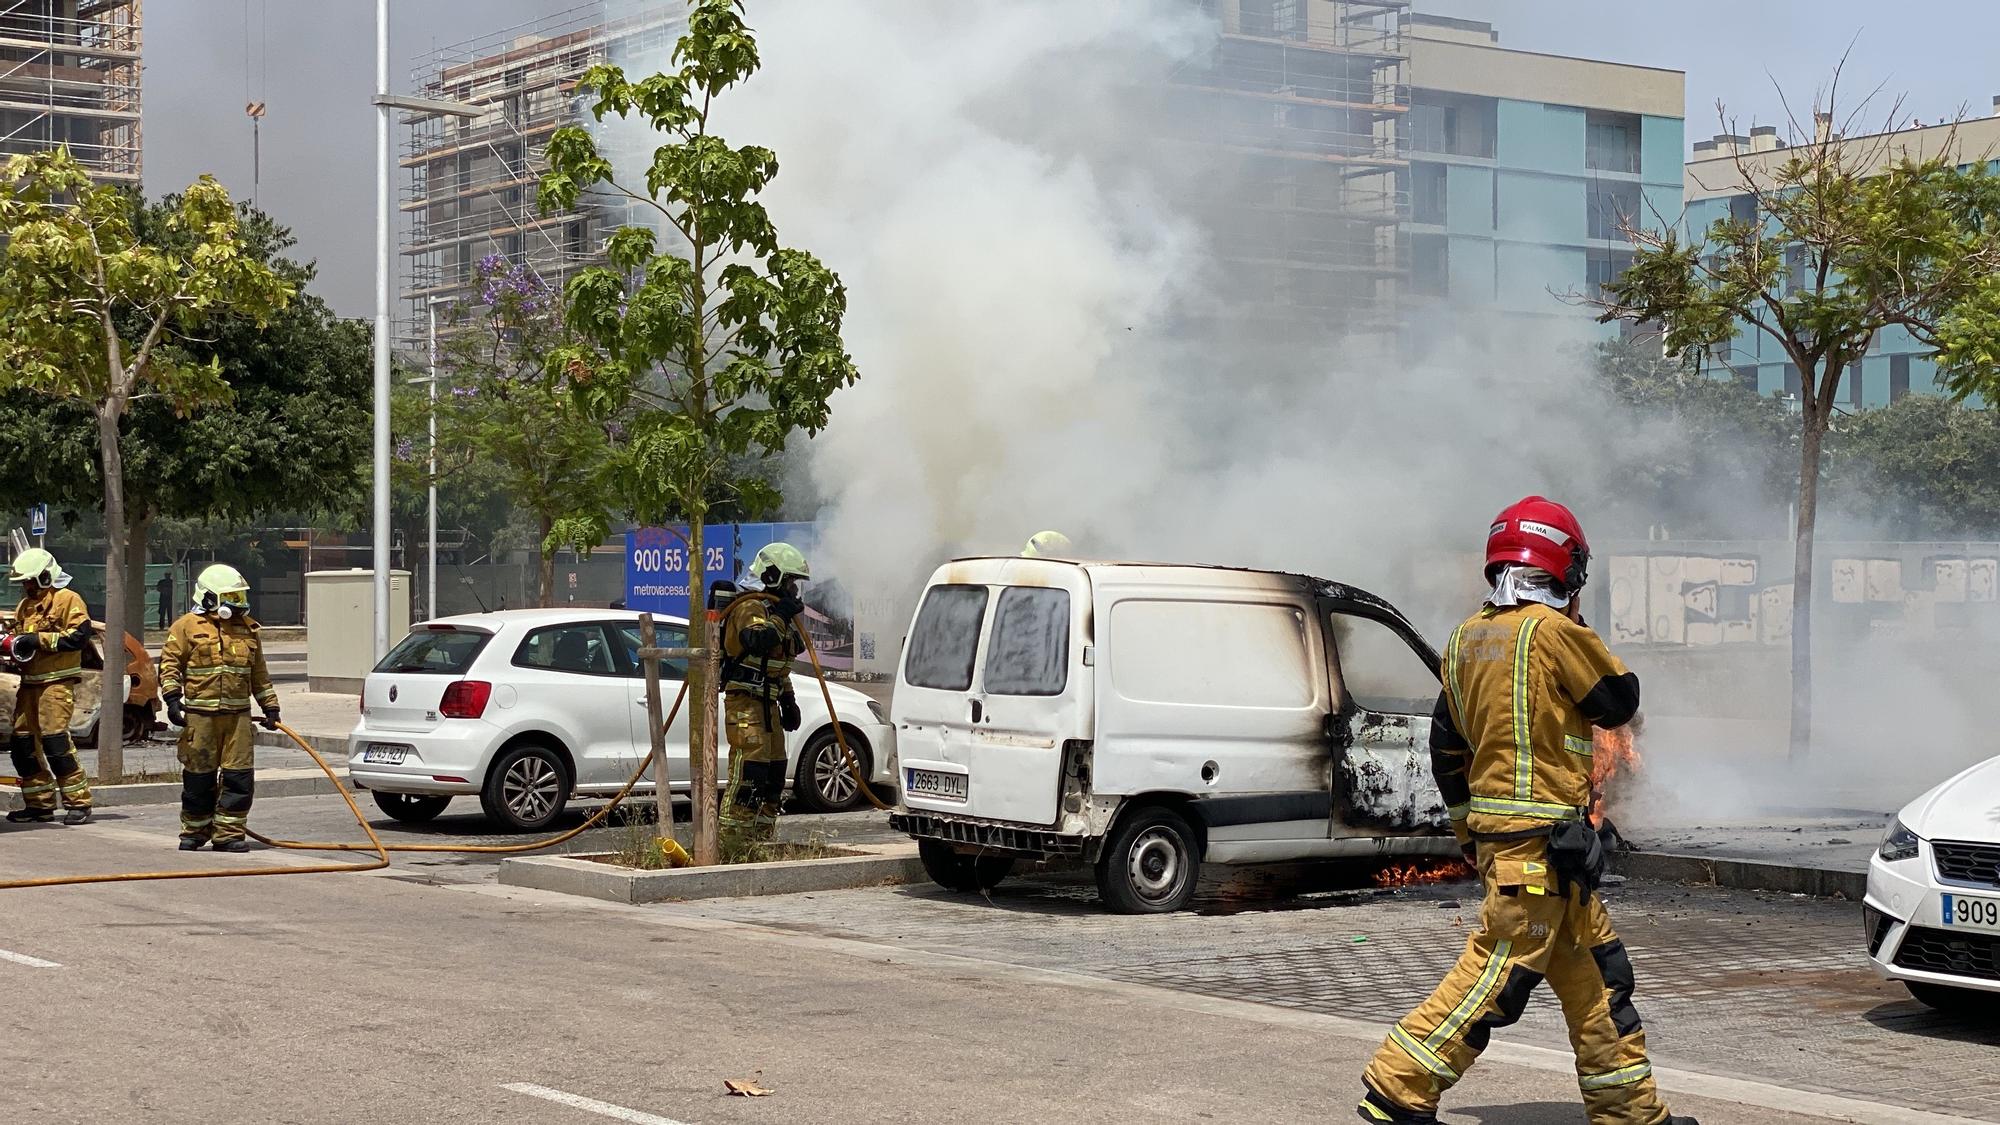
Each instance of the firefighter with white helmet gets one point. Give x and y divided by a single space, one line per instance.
211 670
45 648
1048 544
760 639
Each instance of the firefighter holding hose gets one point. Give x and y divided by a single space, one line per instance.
1524 681
211 669
45 647
760 639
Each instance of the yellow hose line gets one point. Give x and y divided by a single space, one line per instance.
374 844
501 849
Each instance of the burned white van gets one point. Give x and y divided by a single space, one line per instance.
1148 719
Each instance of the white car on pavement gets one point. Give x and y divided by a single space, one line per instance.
1932 914
529 708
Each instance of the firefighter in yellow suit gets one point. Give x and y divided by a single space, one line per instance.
51 629
760 639
210 671
1524 681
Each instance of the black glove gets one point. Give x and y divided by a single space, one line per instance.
787 607
175 715
270 719
788 712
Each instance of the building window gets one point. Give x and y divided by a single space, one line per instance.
1604 266
1899 377
1743 208
1454 124
1796 269
1427 194
1792 384
1854 384
1429 265
1611 142
1613 206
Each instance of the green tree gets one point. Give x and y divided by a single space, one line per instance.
1923 468
717 342
291 437
1842 239
91 311
497 410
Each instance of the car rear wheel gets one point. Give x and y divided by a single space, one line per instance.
526 789
410 808
1952 1001
1150 863
823 782
955 872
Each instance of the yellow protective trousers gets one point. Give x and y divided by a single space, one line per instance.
1529 932
40 746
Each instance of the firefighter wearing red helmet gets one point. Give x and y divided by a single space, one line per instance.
1524 681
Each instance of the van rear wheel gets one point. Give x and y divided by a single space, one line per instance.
1150 864
963 873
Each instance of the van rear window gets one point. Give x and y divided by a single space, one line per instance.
1029 654
945 638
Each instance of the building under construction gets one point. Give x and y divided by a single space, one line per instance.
69 75
1302 100
471 191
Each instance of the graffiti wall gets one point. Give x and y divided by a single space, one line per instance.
1710 594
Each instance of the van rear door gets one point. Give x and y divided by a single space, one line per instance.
993 685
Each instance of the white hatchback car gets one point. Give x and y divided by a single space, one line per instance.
1932 914
530 707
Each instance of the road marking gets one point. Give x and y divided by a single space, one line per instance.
24 959
589 1105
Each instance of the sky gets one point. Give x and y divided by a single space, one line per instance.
312 63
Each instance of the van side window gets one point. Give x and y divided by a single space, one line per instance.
1029 654
946 638
1378 671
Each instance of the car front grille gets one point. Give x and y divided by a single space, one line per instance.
1964 955
1967 865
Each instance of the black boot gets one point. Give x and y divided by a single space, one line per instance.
31 816
192 843
231 845
77 816
1381 1111
1673 1120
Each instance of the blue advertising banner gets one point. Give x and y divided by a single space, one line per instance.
656 565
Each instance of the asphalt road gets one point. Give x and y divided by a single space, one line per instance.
431 994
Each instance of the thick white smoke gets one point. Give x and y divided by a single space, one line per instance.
1030 312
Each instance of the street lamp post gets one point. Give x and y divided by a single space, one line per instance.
384 102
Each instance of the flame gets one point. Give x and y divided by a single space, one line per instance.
1426 871
1614 758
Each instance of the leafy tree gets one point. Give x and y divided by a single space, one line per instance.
91 311
497 411
718 342
292 437
1844 238
1924 467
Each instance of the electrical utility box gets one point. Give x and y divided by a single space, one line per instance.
340 626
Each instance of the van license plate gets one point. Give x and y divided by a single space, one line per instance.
384 753
930 783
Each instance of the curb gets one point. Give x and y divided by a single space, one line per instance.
169 792
568 875
1743 874
329 745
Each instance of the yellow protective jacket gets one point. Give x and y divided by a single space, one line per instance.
758 648
61 625
217 666
1510 738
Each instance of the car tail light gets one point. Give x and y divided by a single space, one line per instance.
465 699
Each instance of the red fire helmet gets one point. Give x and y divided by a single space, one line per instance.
1540 532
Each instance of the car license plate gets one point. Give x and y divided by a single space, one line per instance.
384 754
930 783
1962 912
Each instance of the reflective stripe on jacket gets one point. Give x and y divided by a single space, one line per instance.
61 625
1511 739
217 666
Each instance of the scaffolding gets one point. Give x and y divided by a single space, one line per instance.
69 75
1306 98
472 181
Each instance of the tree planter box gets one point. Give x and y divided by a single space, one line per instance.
878 865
